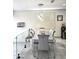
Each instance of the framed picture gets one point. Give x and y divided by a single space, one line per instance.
59 17
21 24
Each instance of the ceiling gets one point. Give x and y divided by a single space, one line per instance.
33 4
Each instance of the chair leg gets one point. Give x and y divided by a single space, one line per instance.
54 51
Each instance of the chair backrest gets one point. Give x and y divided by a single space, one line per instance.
43 42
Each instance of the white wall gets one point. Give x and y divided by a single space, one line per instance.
32 21
59 23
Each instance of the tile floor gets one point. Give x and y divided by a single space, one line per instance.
27 53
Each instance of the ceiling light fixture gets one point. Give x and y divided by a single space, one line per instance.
40 4
52 1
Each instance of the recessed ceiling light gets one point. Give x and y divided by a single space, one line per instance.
40 4
52 1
